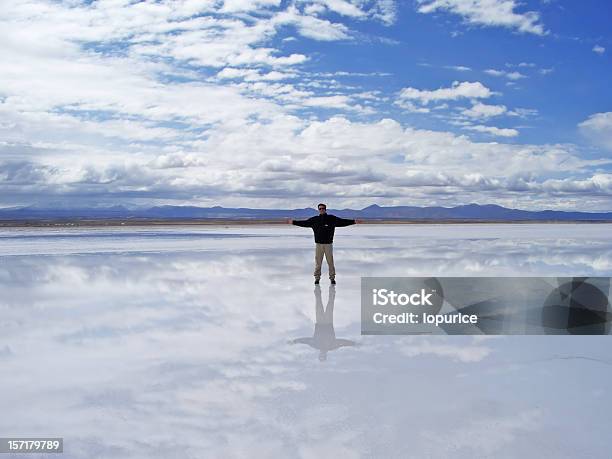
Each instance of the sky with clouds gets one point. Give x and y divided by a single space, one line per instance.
275 103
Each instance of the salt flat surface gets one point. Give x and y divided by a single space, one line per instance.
198 342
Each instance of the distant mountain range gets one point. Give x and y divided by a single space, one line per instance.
489 212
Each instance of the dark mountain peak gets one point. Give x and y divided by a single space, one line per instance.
473 205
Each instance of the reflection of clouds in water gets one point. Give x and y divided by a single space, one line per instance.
187 352
487 436
413 249
427 346
486 257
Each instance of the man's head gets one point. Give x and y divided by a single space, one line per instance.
322 208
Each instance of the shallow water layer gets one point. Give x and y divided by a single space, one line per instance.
213 342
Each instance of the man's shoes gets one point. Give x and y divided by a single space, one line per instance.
333 281
316 281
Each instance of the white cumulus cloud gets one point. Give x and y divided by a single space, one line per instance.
484 111
488 13
599 49
458 90
494 131
598 128
502 73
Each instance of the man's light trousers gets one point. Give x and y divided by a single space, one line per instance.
327 250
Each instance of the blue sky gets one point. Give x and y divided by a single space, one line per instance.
275 103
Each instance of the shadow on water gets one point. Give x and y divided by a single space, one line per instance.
324 337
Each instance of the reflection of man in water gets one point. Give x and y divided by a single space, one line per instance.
324 338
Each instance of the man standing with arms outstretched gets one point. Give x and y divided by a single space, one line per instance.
323 226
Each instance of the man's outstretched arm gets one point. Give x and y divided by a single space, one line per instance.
345 221
302 223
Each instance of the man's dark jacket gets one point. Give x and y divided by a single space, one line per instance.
323 226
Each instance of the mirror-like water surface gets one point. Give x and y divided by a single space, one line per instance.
213 342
